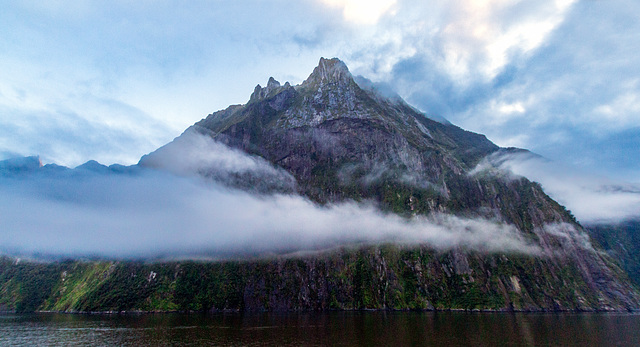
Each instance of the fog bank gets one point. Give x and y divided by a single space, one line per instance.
141 212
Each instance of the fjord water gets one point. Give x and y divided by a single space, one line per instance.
332 328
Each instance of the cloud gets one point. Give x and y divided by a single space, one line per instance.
195 153
66 137
466 40
570 237
362 11
621 112
485 35
578 92
592 199
151 213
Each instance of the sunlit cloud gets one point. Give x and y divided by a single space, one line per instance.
511 108
483 36
362 11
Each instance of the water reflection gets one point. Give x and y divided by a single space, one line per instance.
333 328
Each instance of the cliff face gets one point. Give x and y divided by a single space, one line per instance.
381 277
331 139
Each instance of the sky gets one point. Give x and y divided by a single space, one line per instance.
114 80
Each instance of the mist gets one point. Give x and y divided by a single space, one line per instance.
140 212
591 198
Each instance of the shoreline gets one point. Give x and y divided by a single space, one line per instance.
240 312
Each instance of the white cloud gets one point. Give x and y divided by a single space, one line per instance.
591 198
511 108
479 38
164 216
622 112
362 11
503 112
151 213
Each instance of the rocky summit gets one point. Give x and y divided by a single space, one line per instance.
340 140
335 138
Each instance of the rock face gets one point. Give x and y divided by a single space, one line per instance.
387 277
342 141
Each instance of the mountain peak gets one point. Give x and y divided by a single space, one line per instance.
92 165
272 88
331 70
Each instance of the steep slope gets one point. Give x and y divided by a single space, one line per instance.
341 141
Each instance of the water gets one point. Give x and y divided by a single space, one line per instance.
333 328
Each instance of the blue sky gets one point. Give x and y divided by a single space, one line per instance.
113 80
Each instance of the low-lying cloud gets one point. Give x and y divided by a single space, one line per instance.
196 153
591 198
155 214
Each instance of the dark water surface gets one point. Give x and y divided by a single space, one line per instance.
333 328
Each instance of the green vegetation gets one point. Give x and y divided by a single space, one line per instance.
372 277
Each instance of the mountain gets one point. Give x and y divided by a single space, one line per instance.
341 141
334 139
